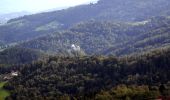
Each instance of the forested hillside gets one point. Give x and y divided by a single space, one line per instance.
94 78
110 50
35 25
16 55
107 38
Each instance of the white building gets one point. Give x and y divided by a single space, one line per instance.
14 73
75 47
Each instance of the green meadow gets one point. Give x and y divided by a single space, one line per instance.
3 93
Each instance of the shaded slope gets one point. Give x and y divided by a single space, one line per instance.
17 55
104 38
118 10
83 78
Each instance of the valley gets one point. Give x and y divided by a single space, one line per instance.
109 50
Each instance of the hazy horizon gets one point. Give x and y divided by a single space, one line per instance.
33 6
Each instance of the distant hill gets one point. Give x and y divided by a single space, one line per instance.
6 17
35 25
111 50
107 38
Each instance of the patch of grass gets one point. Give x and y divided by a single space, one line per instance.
2 84
3 92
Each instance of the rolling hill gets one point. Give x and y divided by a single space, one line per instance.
17 55
110 50
94 78
6 17
107 38
31 26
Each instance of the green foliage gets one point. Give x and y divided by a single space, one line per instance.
2 84
106 38
3 93
17 55
103 96
109 27
132 92
96 77
35 25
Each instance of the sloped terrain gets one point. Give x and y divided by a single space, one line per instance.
111 50
107 38
86 78
31 26
17 55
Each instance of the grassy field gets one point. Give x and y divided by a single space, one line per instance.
3 93
2 84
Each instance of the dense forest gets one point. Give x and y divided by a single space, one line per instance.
19 56
107 38
110 50
94 78
31 26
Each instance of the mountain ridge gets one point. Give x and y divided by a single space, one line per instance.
51 22
96 37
